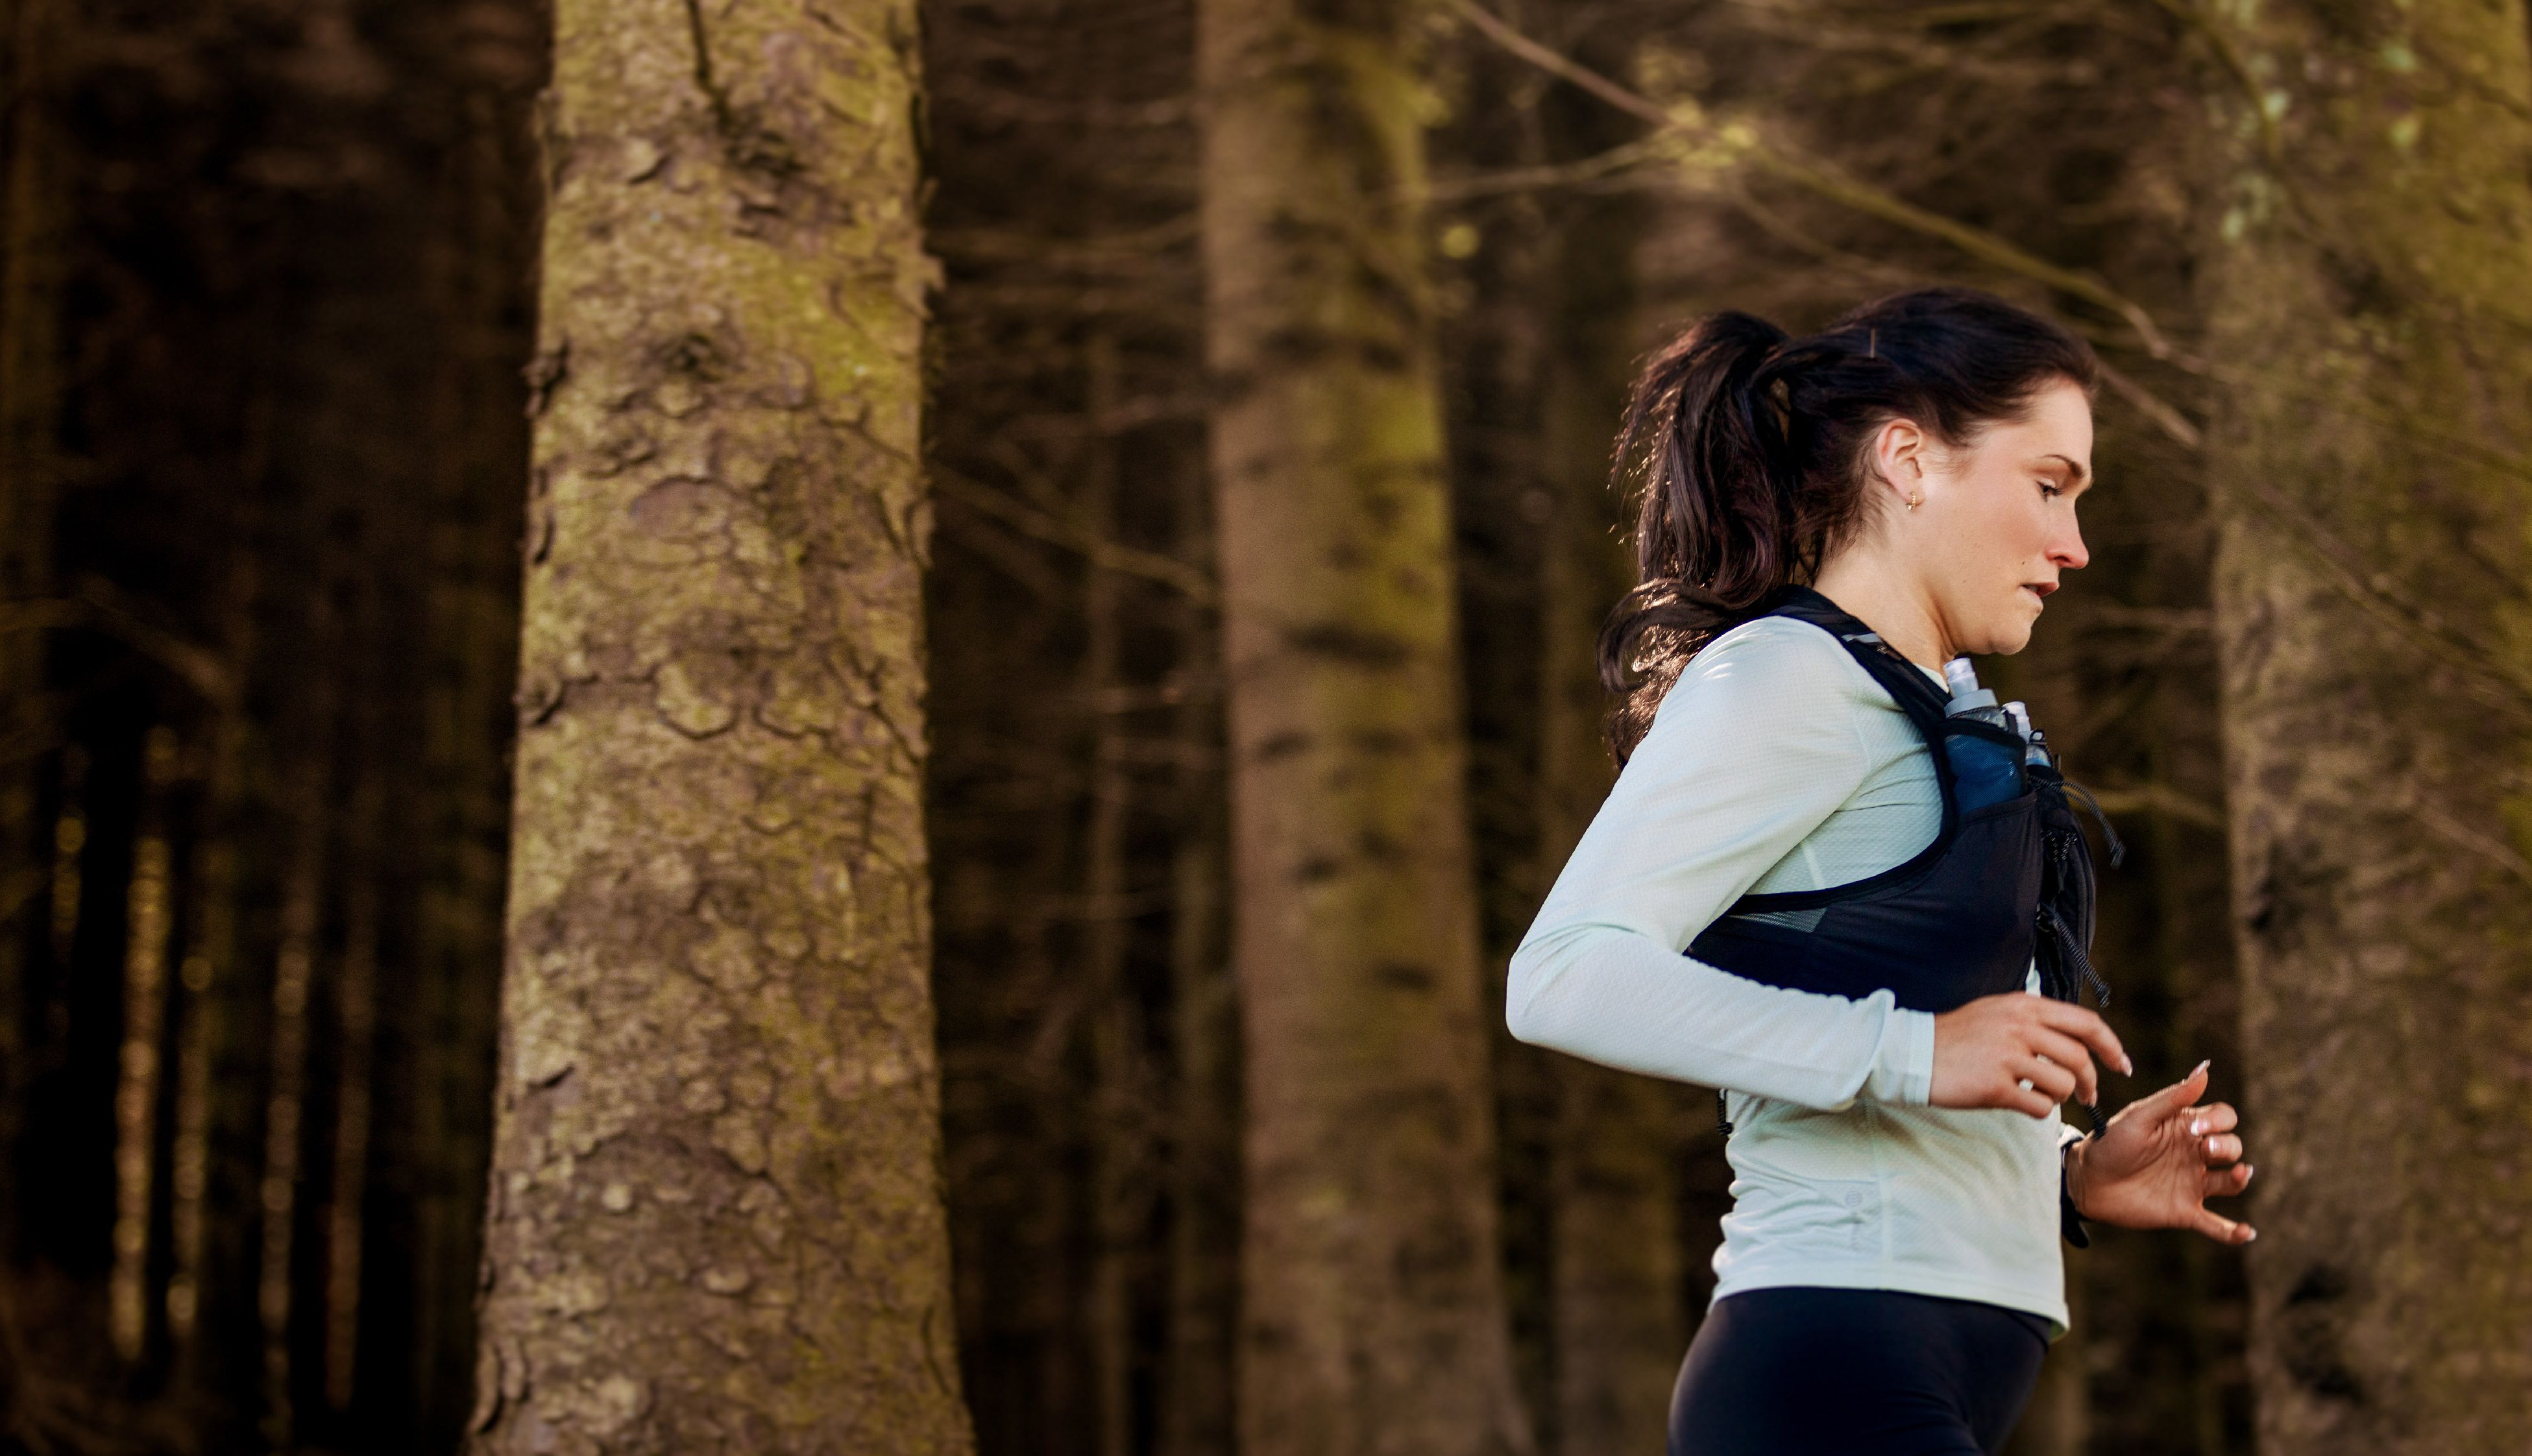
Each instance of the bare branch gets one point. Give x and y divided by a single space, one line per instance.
1743 144
2490 679
99 608
2236 66
2154 407
1108 555
2163 799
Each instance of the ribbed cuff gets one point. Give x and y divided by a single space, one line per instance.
1903 1065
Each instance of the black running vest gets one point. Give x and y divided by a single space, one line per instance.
2008 881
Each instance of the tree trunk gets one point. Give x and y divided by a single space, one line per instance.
1111 1027
468 612
28 330
356 1027
1619 1334
304 895
2370 321
148 922
716 1217
1372 1315
1198 1406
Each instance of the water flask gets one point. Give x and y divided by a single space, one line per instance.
1987 767
1969 700
2035 743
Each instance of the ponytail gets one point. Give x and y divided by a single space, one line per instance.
1744 450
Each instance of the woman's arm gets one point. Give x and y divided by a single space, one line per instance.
1758 743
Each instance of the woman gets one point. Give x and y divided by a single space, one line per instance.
1818 887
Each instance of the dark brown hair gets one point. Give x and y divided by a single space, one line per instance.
1743 448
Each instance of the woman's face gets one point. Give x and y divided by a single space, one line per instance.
1997 527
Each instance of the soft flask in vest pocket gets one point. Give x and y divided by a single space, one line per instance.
1986 763
1986 752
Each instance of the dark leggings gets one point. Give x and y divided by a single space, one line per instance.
1853 1373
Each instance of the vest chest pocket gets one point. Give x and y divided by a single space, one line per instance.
1986 764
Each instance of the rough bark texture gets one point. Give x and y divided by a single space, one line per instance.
1372 1315
1539 323
1199 1410
716 1219
2371 323
1615 1189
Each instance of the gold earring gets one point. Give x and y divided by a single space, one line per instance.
1914 500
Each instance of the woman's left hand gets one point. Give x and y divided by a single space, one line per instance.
2159 1161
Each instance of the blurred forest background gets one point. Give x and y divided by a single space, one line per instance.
292 375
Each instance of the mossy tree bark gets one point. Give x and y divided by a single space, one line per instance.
1615 1194
715 1216
1372 1312
1615 1287
2370 323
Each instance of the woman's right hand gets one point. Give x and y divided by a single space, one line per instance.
2024 1051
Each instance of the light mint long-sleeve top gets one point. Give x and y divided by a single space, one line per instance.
1776 764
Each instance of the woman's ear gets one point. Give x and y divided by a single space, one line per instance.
1898 455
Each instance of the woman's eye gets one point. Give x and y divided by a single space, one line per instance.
2051 489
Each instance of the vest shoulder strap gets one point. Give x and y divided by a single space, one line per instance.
1907 684
1924 705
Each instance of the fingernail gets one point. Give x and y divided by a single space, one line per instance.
2211 1148
2203 1066
2197 1126
2127 1064
2253 1234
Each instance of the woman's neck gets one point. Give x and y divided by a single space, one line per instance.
1867 589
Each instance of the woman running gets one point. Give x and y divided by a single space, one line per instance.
1850 892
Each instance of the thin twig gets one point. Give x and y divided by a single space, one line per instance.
1827 180
2163 800
1136 245
1592 168
2229 55
2498 684
2154 407
1110 555
2494 851
99 608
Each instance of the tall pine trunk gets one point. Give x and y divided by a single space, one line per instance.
2370 323
1198 1405
1615 1197
715 1211
436 1153
27 399
1372 1312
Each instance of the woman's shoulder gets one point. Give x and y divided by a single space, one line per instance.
1768 697
1768 676
1775 655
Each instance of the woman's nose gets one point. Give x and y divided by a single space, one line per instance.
2067 549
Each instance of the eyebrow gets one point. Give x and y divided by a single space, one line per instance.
2081 473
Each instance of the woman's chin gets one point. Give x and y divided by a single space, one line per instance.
2002 639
